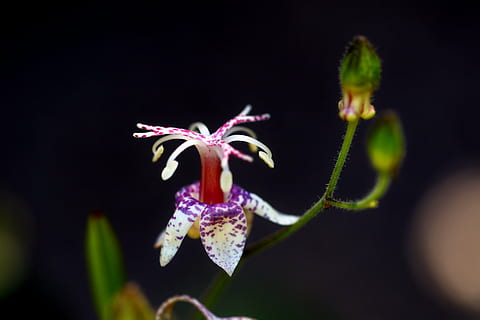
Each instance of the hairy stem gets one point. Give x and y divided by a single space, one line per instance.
342 157
222 280
370 200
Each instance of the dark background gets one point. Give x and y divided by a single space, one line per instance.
75 81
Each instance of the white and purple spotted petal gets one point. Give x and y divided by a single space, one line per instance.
165 310
188 210
257 205
223 230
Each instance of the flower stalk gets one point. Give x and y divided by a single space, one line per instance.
370 200
221 281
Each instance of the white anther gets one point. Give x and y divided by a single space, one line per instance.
169 169
157 154
265 157
226 180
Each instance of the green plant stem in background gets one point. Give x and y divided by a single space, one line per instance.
221 281
370 200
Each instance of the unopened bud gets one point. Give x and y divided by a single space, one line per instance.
386 143
360 72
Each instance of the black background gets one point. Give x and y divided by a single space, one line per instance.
75 81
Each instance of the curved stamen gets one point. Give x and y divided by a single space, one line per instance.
187 144
172 165
157 148
243 138
265 155
202 128
253 148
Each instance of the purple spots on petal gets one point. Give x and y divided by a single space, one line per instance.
208 248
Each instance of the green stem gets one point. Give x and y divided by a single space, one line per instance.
370 200
285 232
222 280
342 156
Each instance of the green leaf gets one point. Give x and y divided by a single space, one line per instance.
104 264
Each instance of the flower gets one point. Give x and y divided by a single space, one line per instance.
213 209
360 72
165 310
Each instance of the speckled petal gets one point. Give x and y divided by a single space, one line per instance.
159 241
254 203
223 229
188 210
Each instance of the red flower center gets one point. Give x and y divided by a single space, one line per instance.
210 191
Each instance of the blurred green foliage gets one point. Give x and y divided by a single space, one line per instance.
104 263
15 240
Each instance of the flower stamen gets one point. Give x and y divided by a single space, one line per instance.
201 127
157 147
253 148
265 155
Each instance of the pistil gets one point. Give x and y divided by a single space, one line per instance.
210 190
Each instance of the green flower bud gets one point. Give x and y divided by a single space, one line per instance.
360 72
386 143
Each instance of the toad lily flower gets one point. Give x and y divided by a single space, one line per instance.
213 209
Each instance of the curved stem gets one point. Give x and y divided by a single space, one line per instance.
370 200
222 279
